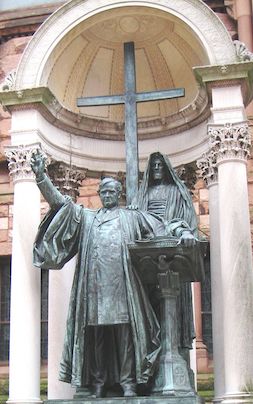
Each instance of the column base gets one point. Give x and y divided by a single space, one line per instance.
25 401
240 398
217 400
202 358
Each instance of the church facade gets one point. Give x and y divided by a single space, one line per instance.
51 53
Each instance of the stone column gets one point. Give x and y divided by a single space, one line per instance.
68 181
201 349
58 300
230 144
243 11
209 171
25 281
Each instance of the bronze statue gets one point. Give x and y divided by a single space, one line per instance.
164 194
108 303
112 333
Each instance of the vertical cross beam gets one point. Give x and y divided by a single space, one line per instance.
130 99
131 136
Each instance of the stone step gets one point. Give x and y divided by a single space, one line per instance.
131 400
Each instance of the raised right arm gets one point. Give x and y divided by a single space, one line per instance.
48 190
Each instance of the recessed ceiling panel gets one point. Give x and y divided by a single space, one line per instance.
90 62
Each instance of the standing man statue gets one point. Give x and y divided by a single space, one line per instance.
112 333
164 194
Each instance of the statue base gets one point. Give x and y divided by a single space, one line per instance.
131 400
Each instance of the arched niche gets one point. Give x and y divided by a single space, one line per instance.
78 51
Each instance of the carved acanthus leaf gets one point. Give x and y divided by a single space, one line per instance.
207 165
9 81
19 161
230 141
67 179
242 52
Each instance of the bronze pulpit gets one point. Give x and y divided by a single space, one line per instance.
164 263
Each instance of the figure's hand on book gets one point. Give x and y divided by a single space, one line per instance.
187 239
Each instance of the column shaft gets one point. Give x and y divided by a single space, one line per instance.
237 275
208 166
60 283
217 294
244 19
25 313
25 298
202 355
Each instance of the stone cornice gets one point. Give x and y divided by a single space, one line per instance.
24 21
225 76
42 99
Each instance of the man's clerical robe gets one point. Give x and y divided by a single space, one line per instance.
106 289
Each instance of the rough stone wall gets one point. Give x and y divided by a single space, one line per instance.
200 201
10 54
6 209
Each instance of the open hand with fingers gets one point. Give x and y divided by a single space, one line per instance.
38 164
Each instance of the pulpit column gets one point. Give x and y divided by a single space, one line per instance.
208 166
230 144
25 281
172 378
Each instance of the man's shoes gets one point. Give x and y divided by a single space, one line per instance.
129 390
99 391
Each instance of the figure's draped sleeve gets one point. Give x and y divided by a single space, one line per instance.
58 235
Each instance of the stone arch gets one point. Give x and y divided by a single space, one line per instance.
201 20
98 144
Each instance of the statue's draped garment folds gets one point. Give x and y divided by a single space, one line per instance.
171 201
70 229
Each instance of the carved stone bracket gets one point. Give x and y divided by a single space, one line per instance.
230 141
207 165
242 52
67 179
8 83
19 161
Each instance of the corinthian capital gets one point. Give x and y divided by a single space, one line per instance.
230 141
19 161
67 179
207 165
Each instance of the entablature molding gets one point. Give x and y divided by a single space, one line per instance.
43 100
227 75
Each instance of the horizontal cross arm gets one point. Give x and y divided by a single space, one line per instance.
160 95
101 100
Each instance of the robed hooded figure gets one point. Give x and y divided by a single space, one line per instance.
164 194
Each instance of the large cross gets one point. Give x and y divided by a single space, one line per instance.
130 99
